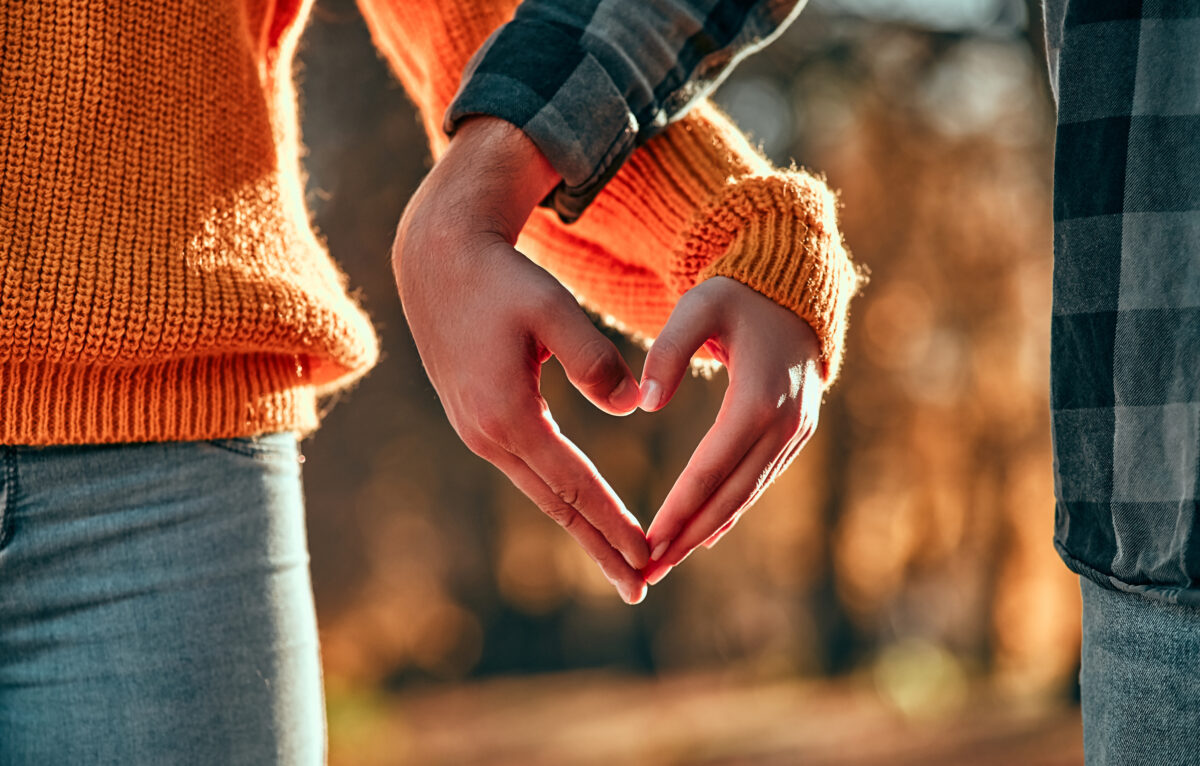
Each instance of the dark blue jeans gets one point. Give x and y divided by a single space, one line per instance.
155 606
1140 680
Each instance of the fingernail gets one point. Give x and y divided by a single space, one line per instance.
659 550
624 396
652 395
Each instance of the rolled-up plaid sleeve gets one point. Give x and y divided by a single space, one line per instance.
590 81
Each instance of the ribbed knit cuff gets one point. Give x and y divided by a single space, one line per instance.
778 235
182 400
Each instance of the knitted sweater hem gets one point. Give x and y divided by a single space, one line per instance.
208 397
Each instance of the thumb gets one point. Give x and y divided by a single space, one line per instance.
692 322
592 363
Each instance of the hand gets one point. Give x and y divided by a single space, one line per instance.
769 411
485 319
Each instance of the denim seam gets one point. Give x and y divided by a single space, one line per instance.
229 446
238 446
10 490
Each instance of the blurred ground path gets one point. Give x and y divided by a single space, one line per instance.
588 718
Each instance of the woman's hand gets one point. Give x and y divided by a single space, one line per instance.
485 318
769 411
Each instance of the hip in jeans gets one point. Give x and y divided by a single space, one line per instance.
155 605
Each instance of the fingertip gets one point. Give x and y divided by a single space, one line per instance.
652 395
659 550
669 356
625 397
637 595
637 559
631 593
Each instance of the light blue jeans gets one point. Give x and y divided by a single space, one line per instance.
1140 680
155 606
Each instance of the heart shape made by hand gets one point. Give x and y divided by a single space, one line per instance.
454 267
768 413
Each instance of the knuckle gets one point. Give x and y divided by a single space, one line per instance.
501 422
493 424
708 481
730 505
600 365
563 514
667 349
568 495
704 297
547 301
610 563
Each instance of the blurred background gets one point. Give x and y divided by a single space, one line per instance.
893 599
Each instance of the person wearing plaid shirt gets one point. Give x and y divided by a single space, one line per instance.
589 81
1125 364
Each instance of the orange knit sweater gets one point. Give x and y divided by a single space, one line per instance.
158 276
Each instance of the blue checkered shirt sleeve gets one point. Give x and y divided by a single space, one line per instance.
1125 331
590 80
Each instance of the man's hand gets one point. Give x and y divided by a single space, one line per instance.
485 319
769 411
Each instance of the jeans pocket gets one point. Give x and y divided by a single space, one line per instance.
263 446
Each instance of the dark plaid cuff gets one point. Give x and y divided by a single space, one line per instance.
540 78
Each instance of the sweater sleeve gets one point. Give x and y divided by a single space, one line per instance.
695 201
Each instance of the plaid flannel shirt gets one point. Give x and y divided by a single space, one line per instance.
1125 332
590 80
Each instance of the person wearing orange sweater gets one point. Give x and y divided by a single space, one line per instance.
168 321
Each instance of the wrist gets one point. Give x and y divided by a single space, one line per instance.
494 174
778 235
